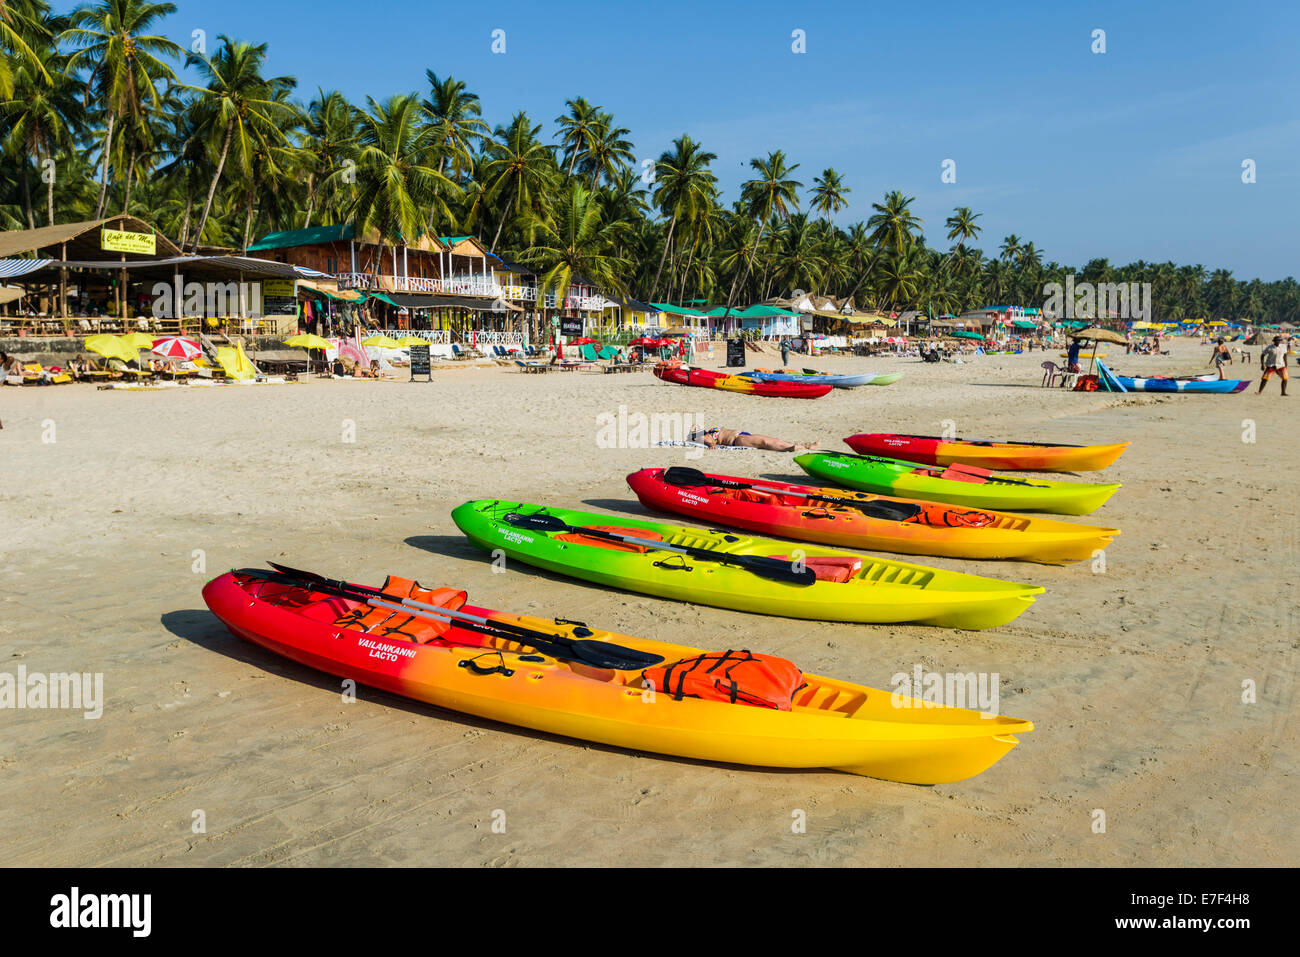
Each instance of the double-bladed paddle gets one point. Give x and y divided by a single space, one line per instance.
889 511
776 569
921 467
599 654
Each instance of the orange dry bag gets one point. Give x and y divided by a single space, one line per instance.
738 677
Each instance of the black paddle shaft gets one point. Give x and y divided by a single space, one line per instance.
773 568
889 511
600 654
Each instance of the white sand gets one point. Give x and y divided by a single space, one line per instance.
1133 677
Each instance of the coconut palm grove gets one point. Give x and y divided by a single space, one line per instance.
98 120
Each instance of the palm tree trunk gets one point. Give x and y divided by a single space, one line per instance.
27 193
189 208
311 199
513 194
749 265
49 186
216 177
248 216
103 172
130 168
654 286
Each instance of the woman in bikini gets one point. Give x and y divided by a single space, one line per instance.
715 437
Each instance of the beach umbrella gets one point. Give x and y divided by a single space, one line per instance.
308 341
176 347
584 341
111 347
1098 335
381 341
407 341
965 334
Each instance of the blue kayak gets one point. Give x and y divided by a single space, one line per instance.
1210 384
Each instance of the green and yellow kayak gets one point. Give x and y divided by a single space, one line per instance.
955 484
847 586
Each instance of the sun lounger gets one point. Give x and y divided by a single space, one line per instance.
532 366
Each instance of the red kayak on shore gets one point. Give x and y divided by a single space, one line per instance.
1023 456
708 379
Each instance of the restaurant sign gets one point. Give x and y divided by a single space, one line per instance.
120 241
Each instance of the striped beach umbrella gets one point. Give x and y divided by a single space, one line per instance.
176 347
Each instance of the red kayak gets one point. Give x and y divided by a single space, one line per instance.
707 379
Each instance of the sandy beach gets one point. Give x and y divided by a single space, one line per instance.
1132 673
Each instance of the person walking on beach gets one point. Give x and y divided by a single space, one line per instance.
1273 360
1222 356
785 351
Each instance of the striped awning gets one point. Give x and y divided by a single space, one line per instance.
10 268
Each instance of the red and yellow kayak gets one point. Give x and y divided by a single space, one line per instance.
708 379
900 525
830 724
1012 456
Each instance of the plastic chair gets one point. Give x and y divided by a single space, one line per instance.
1051 371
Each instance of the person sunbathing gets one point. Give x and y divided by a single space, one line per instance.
715 437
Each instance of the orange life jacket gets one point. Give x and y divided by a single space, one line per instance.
388 623
946 516
737 677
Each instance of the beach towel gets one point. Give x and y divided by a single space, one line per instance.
701 445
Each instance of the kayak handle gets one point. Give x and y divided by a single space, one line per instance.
674 568
478 669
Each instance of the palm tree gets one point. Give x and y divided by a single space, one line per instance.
239 106
893 226
125 64
771 193
23 25
1010 248
40 116
829 193
684 187
395 182
329 137
521 170
577 240
457 119
577 129
608 152
962 228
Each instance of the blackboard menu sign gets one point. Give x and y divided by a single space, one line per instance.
280 297
735 352
420 362
571 325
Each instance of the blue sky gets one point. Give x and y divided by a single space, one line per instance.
1131 154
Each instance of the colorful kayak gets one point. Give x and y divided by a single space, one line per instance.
1194 384
830 723
889 378
888 524
848 587
1027 456
955 484
708 379
812 378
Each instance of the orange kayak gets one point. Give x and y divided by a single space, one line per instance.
1013 456
829 723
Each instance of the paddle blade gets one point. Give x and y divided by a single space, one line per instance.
688 477
543 523
792 573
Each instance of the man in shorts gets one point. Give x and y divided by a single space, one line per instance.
1273 360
